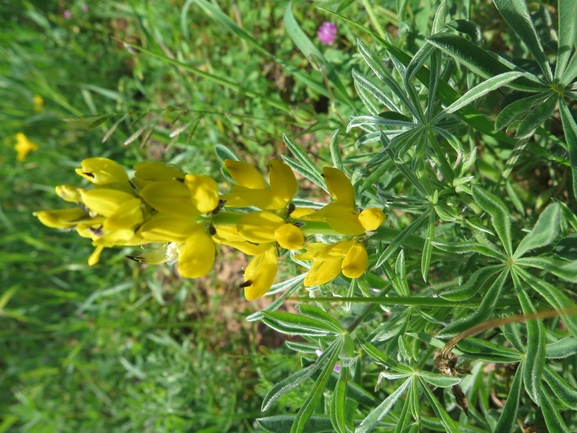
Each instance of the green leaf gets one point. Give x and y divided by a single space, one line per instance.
545 231
468 27
570 128
428 248
439 380
473 284
471 247
223 152
508 419
486 351
378 121
374 91
561 268
482 313
377 414
318 314
499 215
536 117
511 333
316 393
516 14
566 393
335 151
553 418
535 355
383 359
517 109
442 415
566 248
305 160
561 349
339 400
479 61
294 324
313 54
482 89
571 71
283 423
567 34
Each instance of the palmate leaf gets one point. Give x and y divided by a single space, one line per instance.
516 14
473 284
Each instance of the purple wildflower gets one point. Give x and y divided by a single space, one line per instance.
327 33
85 8
67 14
336 368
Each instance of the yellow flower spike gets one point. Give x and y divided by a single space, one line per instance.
260 274
340 187
95 256
102 171
289 237
127 216
147 172
371 219
23 146
203 191
168 229
322 272
60 219
245 174
68 193
170 197
196 256
259 227
104 201
283 183
355 262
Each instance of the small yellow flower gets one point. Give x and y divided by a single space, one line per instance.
23 146
38 103
289 237
260 274
252 190
102 171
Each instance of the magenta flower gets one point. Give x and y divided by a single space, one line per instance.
336 368
67 14
327 33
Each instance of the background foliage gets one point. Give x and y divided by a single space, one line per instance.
481 223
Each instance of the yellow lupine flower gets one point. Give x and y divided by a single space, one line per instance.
260 274
170 197
252 189
203 192
341 214
196 255
102 171
23 146
61 218
169 229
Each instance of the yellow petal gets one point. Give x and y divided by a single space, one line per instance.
95 256
196 256
115 238
155 171
283 183
289 237
68 193
102 171
371 219
260 273
246 247
168 229
91 228
228 233
104 201
356 261
340 187
302 212
314 250
259 227
322 272
261 198
170 197
245 174
61 218
342 219
203 192
128 216
23 146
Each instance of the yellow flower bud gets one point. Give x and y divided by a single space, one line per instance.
23 146
289 237
203 192
68 193
355 262
196 256
260 274
102 171
60 219
371 219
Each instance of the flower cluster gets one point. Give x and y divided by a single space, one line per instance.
187 215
